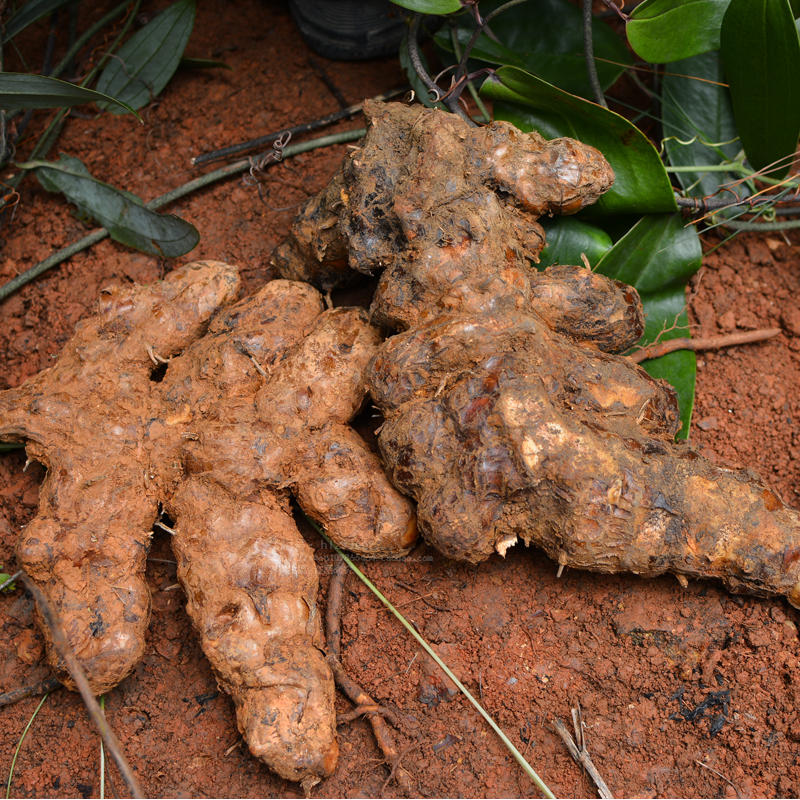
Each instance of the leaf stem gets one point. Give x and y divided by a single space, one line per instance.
430 651
588 51
164 199
472 90
84 37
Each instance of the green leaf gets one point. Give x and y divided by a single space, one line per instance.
641 185
696 106
142 67
568 238
657 257
761 55
3 578
430 6
32 11
20 90
670 30
545 37
203 63
121 212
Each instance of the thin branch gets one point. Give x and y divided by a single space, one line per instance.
580 754
356 694
269 138
64 650
710 343
451 102
43 687
761 226
705 205
164 199
341 719
588 51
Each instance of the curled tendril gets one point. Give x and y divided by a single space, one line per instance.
253 176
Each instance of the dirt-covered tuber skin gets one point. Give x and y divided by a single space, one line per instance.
508 417
255 402
85 419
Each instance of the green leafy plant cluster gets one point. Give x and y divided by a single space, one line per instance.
129 76
725 95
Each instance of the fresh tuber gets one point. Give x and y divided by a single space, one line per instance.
508 416
254 404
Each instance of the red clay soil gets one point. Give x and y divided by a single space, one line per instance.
684 692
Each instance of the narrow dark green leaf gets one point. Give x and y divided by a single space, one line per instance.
544 37
795 4
203 63
568 238
430 6
19 90
142 67
121 212
761 55
32 11
657 257
661 31
642 186
696 107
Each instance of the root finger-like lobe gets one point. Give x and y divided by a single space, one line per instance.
251 585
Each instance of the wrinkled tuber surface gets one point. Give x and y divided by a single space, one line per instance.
257 406
507 416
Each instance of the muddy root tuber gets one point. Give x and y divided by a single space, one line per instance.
254 405
508 415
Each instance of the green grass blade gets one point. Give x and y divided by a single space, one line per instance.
429 650
19 745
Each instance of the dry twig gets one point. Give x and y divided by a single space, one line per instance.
710 343
579 752
383 735
16 695
76 672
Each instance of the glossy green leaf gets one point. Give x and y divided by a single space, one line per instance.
567 238
761 54
32 11
203 63
657 257
642 186
698 124
430 6
142 67
544 37
121 212
20 90
661 31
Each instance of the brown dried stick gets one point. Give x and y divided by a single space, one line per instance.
580 753
76 672
357 695
710 343
36 689
341 719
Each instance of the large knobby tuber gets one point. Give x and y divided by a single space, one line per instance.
256 405
507 415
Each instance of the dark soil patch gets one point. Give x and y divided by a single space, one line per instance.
667 678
